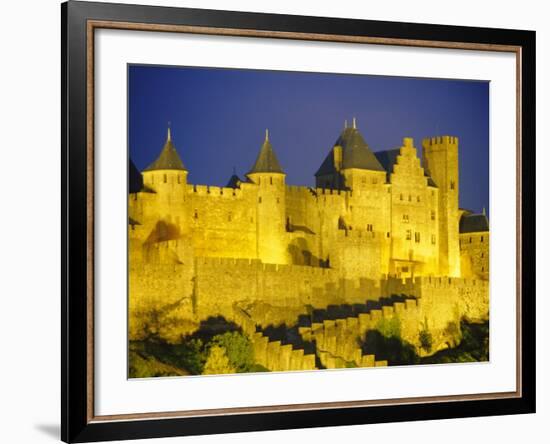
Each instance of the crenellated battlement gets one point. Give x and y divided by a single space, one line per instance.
297 189
440 140
213 191
421 284
235 265
330 192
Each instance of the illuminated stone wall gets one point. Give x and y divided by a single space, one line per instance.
474 253
196 251
439 307
440 155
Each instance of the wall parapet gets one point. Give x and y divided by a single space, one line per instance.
259 266
214 191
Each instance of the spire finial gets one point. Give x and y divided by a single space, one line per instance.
266 135
354 123
346 124
234 170
169 137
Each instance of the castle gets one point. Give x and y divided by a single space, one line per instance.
375 221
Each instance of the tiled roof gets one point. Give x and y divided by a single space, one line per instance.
266 162
473 223
355 154
168 159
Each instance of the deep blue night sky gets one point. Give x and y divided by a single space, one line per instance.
218 119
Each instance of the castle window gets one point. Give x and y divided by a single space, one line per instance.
418 198
432 215
452 185
375 181
470 240
408 237
165 179
229 216
482 269
405 218
401 197
433 239
260 199
278 200
481 239
410 197
179 179
271 181
364 180
433 193
196 215
369 227
388 234
417 237
482 254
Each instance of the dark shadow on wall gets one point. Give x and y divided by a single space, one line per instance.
300 252
289 335
212 326
343 311
392 349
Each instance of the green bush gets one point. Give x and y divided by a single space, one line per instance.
238 349
217 362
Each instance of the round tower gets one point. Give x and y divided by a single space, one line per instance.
166 180
269 177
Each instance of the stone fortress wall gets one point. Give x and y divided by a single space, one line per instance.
197 251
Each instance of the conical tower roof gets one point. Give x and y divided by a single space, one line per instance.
135 180
355 153
234 180
266 162
168 159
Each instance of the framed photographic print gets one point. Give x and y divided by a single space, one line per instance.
277 221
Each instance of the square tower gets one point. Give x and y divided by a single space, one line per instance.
440 158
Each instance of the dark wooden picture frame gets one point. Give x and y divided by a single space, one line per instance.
79 21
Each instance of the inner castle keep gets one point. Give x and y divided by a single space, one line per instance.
375 223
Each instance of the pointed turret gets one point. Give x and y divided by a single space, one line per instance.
269 178
167 170
234 180
350 151
267 161
355 153
169 158
135 179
